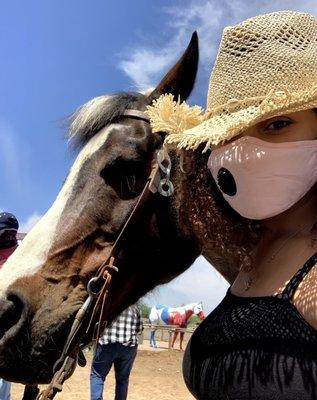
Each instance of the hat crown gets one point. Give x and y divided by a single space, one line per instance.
274 51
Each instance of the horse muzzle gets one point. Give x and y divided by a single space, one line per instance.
13 314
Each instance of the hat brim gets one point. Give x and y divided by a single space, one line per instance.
225 126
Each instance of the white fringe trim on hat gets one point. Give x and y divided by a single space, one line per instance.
173 117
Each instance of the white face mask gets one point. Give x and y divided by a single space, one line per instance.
262 179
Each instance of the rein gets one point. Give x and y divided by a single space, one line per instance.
90 316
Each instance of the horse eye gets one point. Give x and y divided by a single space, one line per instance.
126 177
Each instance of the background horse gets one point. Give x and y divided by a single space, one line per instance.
44 283
174 316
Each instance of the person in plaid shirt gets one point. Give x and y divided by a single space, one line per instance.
118 347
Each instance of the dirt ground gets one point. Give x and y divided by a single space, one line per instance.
156 375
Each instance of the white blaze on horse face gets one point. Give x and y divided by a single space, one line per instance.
34 250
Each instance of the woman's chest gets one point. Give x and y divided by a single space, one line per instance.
268 322
246 343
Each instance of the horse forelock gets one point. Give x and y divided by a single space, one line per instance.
100 112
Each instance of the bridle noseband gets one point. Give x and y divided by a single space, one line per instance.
89 317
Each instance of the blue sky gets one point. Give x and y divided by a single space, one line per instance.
56 54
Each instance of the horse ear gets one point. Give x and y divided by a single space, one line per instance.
180 79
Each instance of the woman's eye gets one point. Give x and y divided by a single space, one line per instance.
277 125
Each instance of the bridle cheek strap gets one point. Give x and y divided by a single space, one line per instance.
136 114
98 286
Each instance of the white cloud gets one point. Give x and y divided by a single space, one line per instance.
146 64
143 64
27 225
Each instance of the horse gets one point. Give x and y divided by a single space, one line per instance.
178 316
45 282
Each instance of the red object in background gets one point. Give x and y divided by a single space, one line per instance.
5 254
176 318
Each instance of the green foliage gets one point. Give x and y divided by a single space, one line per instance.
144 309
193 320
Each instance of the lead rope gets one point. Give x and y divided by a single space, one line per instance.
98 286
66 362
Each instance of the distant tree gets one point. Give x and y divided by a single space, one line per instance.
144 308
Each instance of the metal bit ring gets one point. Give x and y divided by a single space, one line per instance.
166 187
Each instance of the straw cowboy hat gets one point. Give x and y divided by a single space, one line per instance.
266 66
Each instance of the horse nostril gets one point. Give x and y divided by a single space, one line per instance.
226 182
11 313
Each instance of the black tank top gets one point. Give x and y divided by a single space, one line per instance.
254 348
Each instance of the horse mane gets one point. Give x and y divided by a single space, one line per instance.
99 112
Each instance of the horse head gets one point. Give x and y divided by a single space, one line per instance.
44 283
198 310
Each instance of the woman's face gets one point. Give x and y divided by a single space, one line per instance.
259 187
301 125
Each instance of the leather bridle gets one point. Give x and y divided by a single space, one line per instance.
89 317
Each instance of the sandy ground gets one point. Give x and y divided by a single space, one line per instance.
156 375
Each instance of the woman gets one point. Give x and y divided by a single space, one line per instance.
261 124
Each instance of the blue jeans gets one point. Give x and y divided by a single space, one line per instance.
4 390
122 358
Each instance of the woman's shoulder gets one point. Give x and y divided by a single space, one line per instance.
305 297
